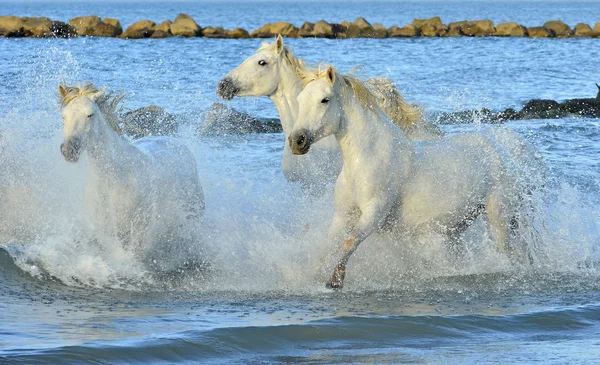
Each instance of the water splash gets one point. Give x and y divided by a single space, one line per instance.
262 233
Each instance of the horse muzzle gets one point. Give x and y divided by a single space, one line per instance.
300 142
71 149
227 88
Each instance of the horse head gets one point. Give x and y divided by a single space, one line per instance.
320 110
80 113
258 75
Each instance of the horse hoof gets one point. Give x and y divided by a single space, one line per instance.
335 285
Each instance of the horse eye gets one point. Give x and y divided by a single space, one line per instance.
90 115
325 101
262 62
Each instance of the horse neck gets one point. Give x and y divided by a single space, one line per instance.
362 128
108 151
285 96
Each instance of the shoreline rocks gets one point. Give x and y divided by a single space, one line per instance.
185 26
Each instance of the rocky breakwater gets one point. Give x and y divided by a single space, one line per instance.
185 26
532 109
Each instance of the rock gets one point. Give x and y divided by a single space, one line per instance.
406 31
215 32
540 32
62 30
582 107
582 30
363 24
185 26
161 34
223 120
93 26
11 33
349 30
262 32
429 30
454 28
85 25
322 29
597 27
306 29
285 29
478 28
559 28
272 30
138 30
239 33
379 31
435 22
36 27
114 22
511 29
541 109
151 120
11 23
361 28
164 26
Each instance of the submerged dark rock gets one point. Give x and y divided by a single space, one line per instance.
224 120
582 107
151 120
541 109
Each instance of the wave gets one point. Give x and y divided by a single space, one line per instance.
335 340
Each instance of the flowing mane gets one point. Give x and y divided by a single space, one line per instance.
296 63
402 113
377 94
108 103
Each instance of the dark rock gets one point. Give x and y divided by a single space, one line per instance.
151 120
582 107
62 30
223 120
541 109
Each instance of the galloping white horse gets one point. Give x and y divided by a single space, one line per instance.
273 71
146 193
388 179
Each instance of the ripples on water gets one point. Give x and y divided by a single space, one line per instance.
67 298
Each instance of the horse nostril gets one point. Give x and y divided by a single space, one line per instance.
301 140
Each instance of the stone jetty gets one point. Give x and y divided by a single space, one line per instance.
185 26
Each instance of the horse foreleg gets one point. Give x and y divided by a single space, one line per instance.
369 220
497 217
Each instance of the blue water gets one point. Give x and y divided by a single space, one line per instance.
64 300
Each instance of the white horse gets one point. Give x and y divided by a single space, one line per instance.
145 193
389 180
273 71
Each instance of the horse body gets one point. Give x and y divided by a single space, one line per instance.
387 177
273 71
146 193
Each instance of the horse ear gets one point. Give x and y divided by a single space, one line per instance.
331 75
62 91
95 96
279 44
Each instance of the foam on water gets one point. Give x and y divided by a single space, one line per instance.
261 233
